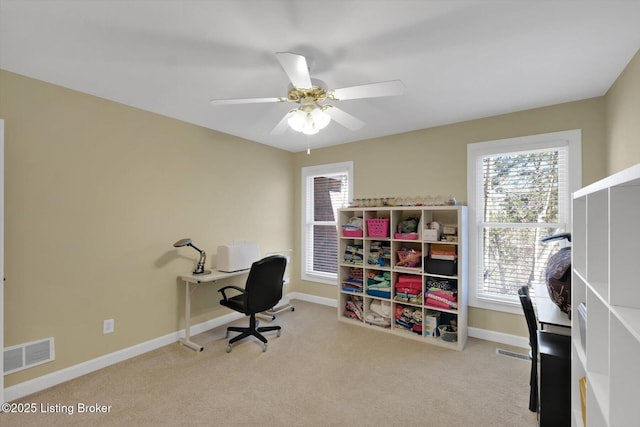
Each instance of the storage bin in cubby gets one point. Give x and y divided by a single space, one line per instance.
378 227
353 228
347 232
406 225
408 256
448 333
440 266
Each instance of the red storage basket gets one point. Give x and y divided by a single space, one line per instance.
352 233
378 227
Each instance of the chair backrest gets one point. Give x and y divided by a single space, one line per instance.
264 284
530 315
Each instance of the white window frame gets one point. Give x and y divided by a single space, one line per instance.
475 153
308 173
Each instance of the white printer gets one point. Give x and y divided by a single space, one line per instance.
237 256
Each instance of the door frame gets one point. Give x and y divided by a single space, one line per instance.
2 260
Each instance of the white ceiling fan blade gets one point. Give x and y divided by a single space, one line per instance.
296 68
283 124
372 90
344 118
245 101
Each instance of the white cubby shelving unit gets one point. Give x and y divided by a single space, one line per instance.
426 316
606 235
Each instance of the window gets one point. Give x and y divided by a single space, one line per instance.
325 189
519 192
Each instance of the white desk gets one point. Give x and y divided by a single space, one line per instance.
195 279
549 315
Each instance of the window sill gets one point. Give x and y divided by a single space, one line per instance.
320 279
501 306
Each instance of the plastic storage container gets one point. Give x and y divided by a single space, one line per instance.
378 227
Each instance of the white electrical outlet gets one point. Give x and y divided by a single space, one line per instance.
108 326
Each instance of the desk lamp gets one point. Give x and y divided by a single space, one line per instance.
203 256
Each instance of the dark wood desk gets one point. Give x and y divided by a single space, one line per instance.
554 379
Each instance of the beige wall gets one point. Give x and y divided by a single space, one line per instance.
434 161
623 118
97 193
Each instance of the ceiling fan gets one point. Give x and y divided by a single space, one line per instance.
315 110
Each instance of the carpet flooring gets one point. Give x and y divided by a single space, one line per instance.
319 372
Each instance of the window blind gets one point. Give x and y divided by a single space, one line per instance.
524 198
326 190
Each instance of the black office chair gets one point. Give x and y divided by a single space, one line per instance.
532 324
262 291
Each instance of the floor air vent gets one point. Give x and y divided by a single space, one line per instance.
23 356
513 354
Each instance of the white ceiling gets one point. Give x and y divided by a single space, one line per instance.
459 60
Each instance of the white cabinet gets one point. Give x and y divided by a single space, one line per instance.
409 283
606 238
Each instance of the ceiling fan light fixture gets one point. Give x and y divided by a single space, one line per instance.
297 120
309 121
310 130
320 118
309 127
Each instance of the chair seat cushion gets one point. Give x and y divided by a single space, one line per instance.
235 303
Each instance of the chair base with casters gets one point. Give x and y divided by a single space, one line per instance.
251 330
262 292
271 313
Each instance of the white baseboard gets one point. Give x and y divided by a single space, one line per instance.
49 380
499 337
331 302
